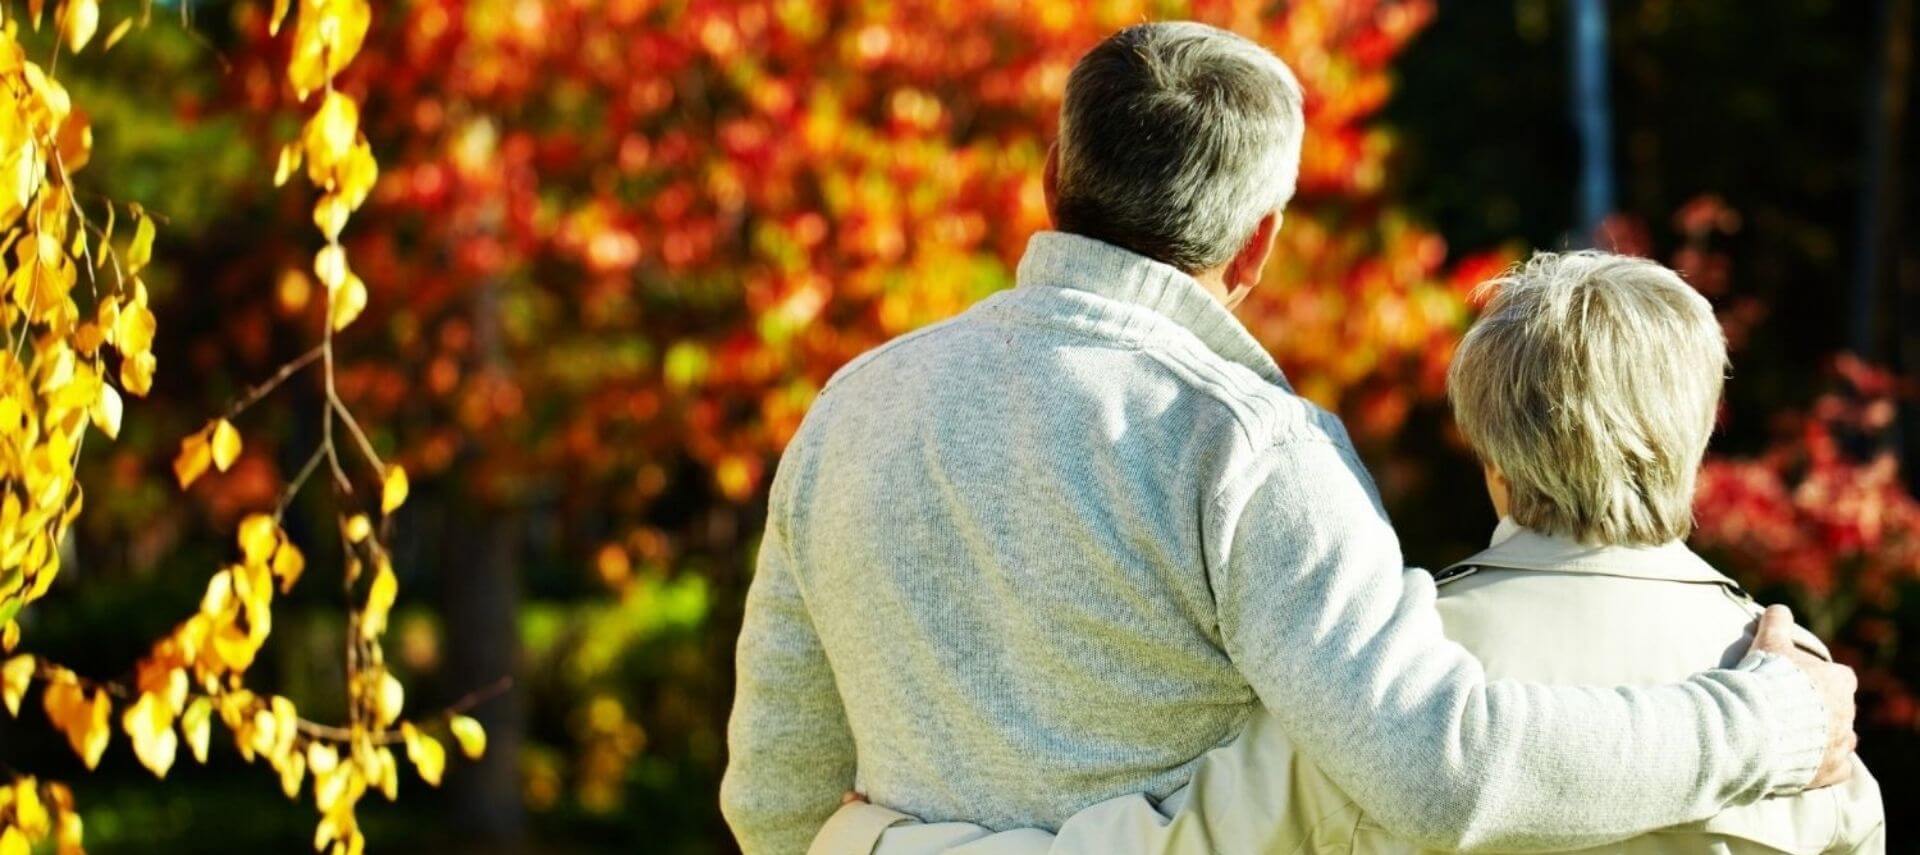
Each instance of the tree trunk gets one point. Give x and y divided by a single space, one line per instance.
1591 99
481 599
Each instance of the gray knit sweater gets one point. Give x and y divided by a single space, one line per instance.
1054 549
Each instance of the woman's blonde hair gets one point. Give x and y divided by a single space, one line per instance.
1591 383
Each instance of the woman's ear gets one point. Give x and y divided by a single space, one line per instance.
1497 489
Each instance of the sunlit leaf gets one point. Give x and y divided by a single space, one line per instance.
224 444
330 266
393 490
106 411
349 302
14 677
119 32
470 735
149 726
259 537
380 597
196 724
289 161
429 758
195 457
79 20
288 564
140 251
389 700
292 770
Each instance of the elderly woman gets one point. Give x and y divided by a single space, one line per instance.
1588 390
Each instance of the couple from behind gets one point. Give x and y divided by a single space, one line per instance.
1079 560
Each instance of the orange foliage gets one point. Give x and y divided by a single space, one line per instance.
612 239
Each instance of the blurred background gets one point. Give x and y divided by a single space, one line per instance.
618 245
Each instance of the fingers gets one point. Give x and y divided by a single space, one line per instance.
851 797
1775 632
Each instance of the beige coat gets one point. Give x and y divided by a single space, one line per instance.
1532 608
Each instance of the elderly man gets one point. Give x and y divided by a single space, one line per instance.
1589 389
1053 550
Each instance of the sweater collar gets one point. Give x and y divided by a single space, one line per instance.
1063 260
1516 547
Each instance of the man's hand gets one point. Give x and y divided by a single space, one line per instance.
1834 682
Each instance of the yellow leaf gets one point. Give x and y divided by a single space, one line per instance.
141 250
264 732
288 164
133 327
234 646
329 135
388 702
358 174
428 756
196 724
14 677
82 18
136 373
225 444
29 812
292 769
288 564
380 597
219 596
69 834
289 719
470 735
330 213
330 265
99 729
393 492
358 528
279 17
84 720
149 725
192 461
350 302
289 160
322 758
119 32
12 842
106 411
389 773
259 537
325 38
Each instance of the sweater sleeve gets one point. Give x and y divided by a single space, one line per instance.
790 753
1343 644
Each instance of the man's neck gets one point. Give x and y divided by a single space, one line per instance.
1215 284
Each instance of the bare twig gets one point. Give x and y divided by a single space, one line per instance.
267 386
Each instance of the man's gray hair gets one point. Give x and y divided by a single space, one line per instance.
1591 382
1175 139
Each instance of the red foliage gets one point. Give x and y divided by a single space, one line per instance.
1824 517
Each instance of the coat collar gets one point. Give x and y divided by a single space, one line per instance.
1063 260
1515 547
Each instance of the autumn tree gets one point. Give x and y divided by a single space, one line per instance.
75 304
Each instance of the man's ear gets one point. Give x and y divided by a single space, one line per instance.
1050 183
1243 271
